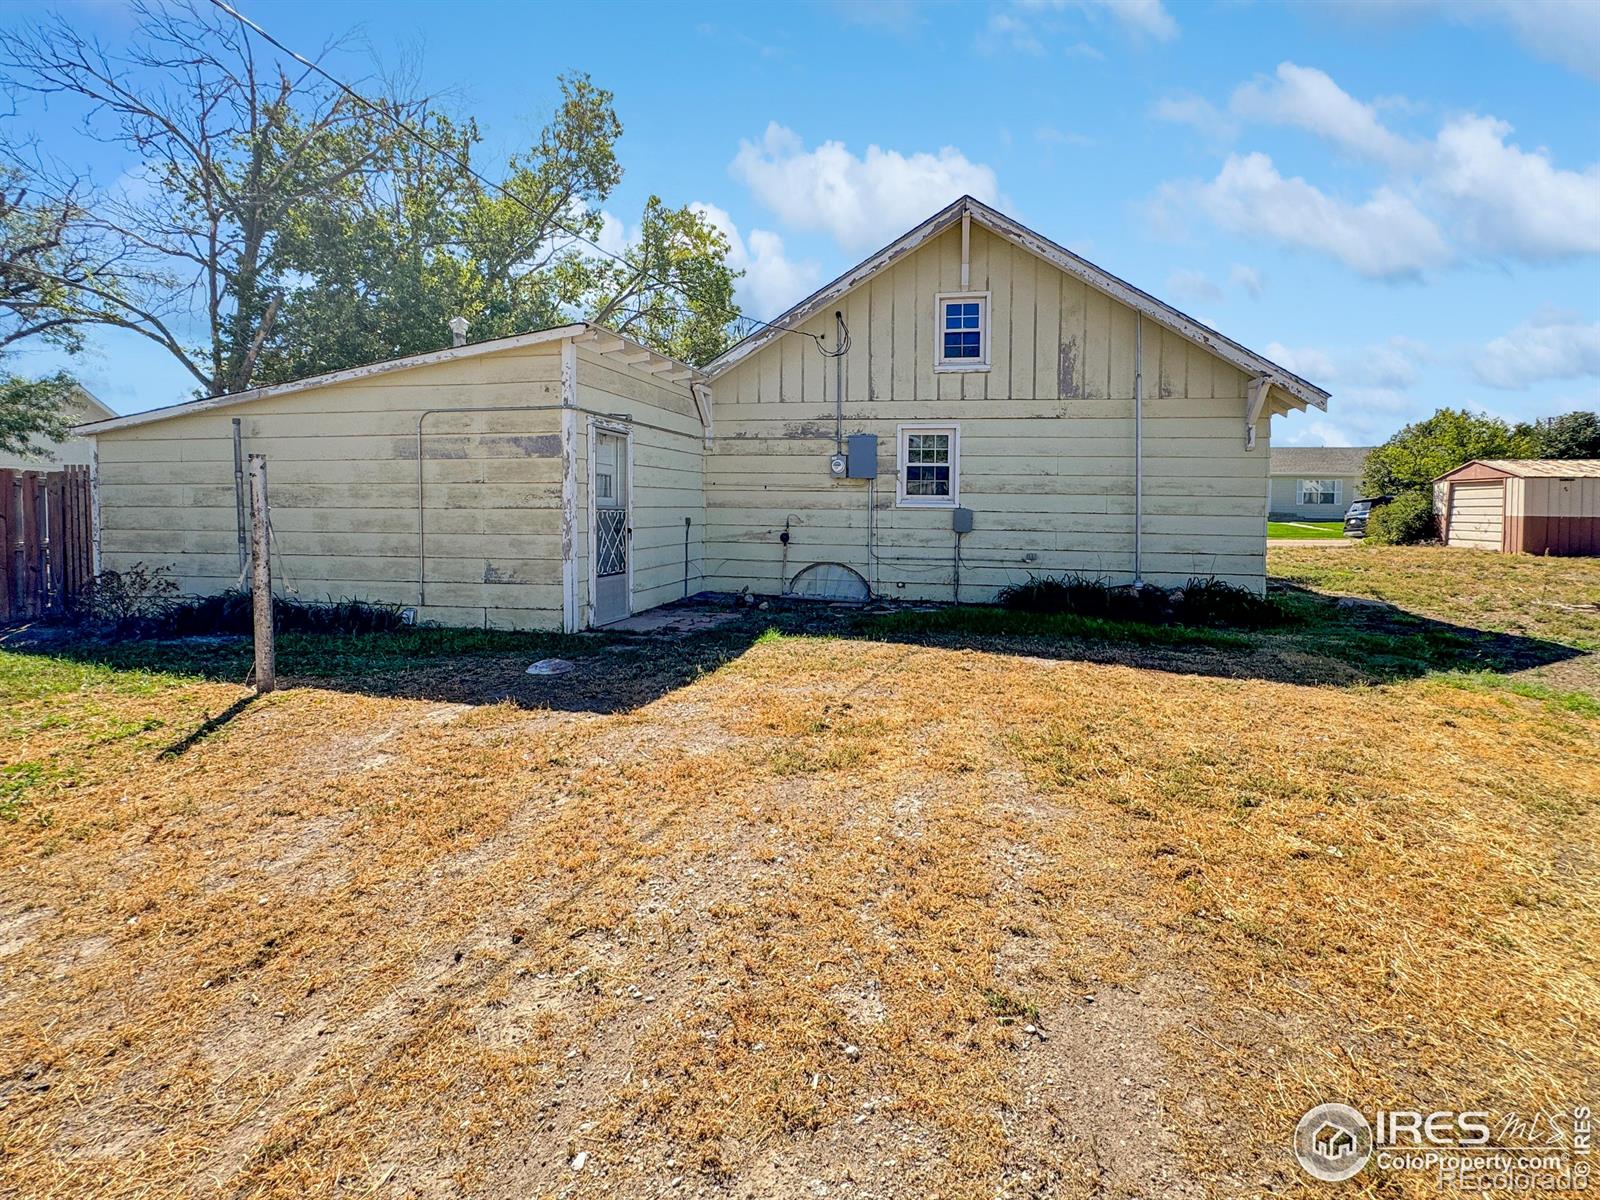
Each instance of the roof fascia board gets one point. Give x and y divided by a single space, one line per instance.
821 298
1302 392
348 375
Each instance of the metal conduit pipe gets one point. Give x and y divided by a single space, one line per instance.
1138 450
422 540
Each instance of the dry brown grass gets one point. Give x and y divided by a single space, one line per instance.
783 925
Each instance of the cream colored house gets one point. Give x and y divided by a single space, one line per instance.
74 450
972 405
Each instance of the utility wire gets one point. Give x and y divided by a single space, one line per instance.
461 162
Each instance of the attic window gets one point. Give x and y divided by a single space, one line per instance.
962 329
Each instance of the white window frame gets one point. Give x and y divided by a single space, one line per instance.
902 433
1337 492
940 362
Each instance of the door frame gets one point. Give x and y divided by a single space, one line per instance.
625 432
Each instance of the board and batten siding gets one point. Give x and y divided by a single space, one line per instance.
342 480
1046 441
667 452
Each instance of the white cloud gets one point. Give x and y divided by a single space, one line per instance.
899 17
1315 433
1192 285
860 201
1198 113
1467 189
1247 279
1145 18
1307 362
1310 99
1563 31
1385 236
1049 135
1008 32
772 281
1552 347
1507 199
1376 374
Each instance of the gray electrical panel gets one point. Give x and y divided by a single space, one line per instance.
961 520
861 451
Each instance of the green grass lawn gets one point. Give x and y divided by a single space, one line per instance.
1305 529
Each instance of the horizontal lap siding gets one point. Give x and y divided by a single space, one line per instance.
668 446
1047 438
342 481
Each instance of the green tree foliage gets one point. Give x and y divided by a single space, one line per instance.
33 412
1571 435
1421 452
281 227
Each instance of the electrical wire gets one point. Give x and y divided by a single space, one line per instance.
461 162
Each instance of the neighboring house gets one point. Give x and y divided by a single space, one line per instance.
1521 506
1314 483
74 450
986 429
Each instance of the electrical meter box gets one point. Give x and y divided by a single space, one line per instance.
961 520
861 455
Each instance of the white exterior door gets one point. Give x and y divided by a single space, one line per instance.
1477 514
611 549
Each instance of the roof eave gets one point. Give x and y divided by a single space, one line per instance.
1302 392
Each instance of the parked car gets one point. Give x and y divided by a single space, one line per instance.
1355 517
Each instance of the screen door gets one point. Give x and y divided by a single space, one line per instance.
612 532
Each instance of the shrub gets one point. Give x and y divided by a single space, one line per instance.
120 598
1404 521
1214 602
142 603
1199 602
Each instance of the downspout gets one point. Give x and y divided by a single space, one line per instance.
238 500
1138 451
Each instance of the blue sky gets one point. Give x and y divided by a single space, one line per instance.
1400 199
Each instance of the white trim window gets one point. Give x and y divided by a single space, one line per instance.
929 466
961 331
1320 491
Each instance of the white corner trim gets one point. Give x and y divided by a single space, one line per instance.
569 486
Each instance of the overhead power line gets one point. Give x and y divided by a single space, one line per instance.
461 162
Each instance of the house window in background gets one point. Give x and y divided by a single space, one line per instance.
1319 491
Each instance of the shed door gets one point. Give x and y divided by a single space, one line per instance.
612 529
1477 514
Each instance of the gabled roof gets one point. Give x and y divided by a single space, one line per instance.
1535 468
1301 390
1330 461
595 337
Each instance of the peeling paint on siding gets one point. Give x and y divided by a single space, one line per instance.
467 445
1067 369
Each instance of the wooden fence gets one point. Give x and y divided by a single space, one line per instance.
46 541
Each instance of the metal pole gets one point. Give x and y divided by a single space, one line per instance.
838 383
261 577
687 521
1138 451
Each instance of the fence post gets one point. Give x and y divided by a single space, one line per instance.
8 534
32 547
261 577
55 536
